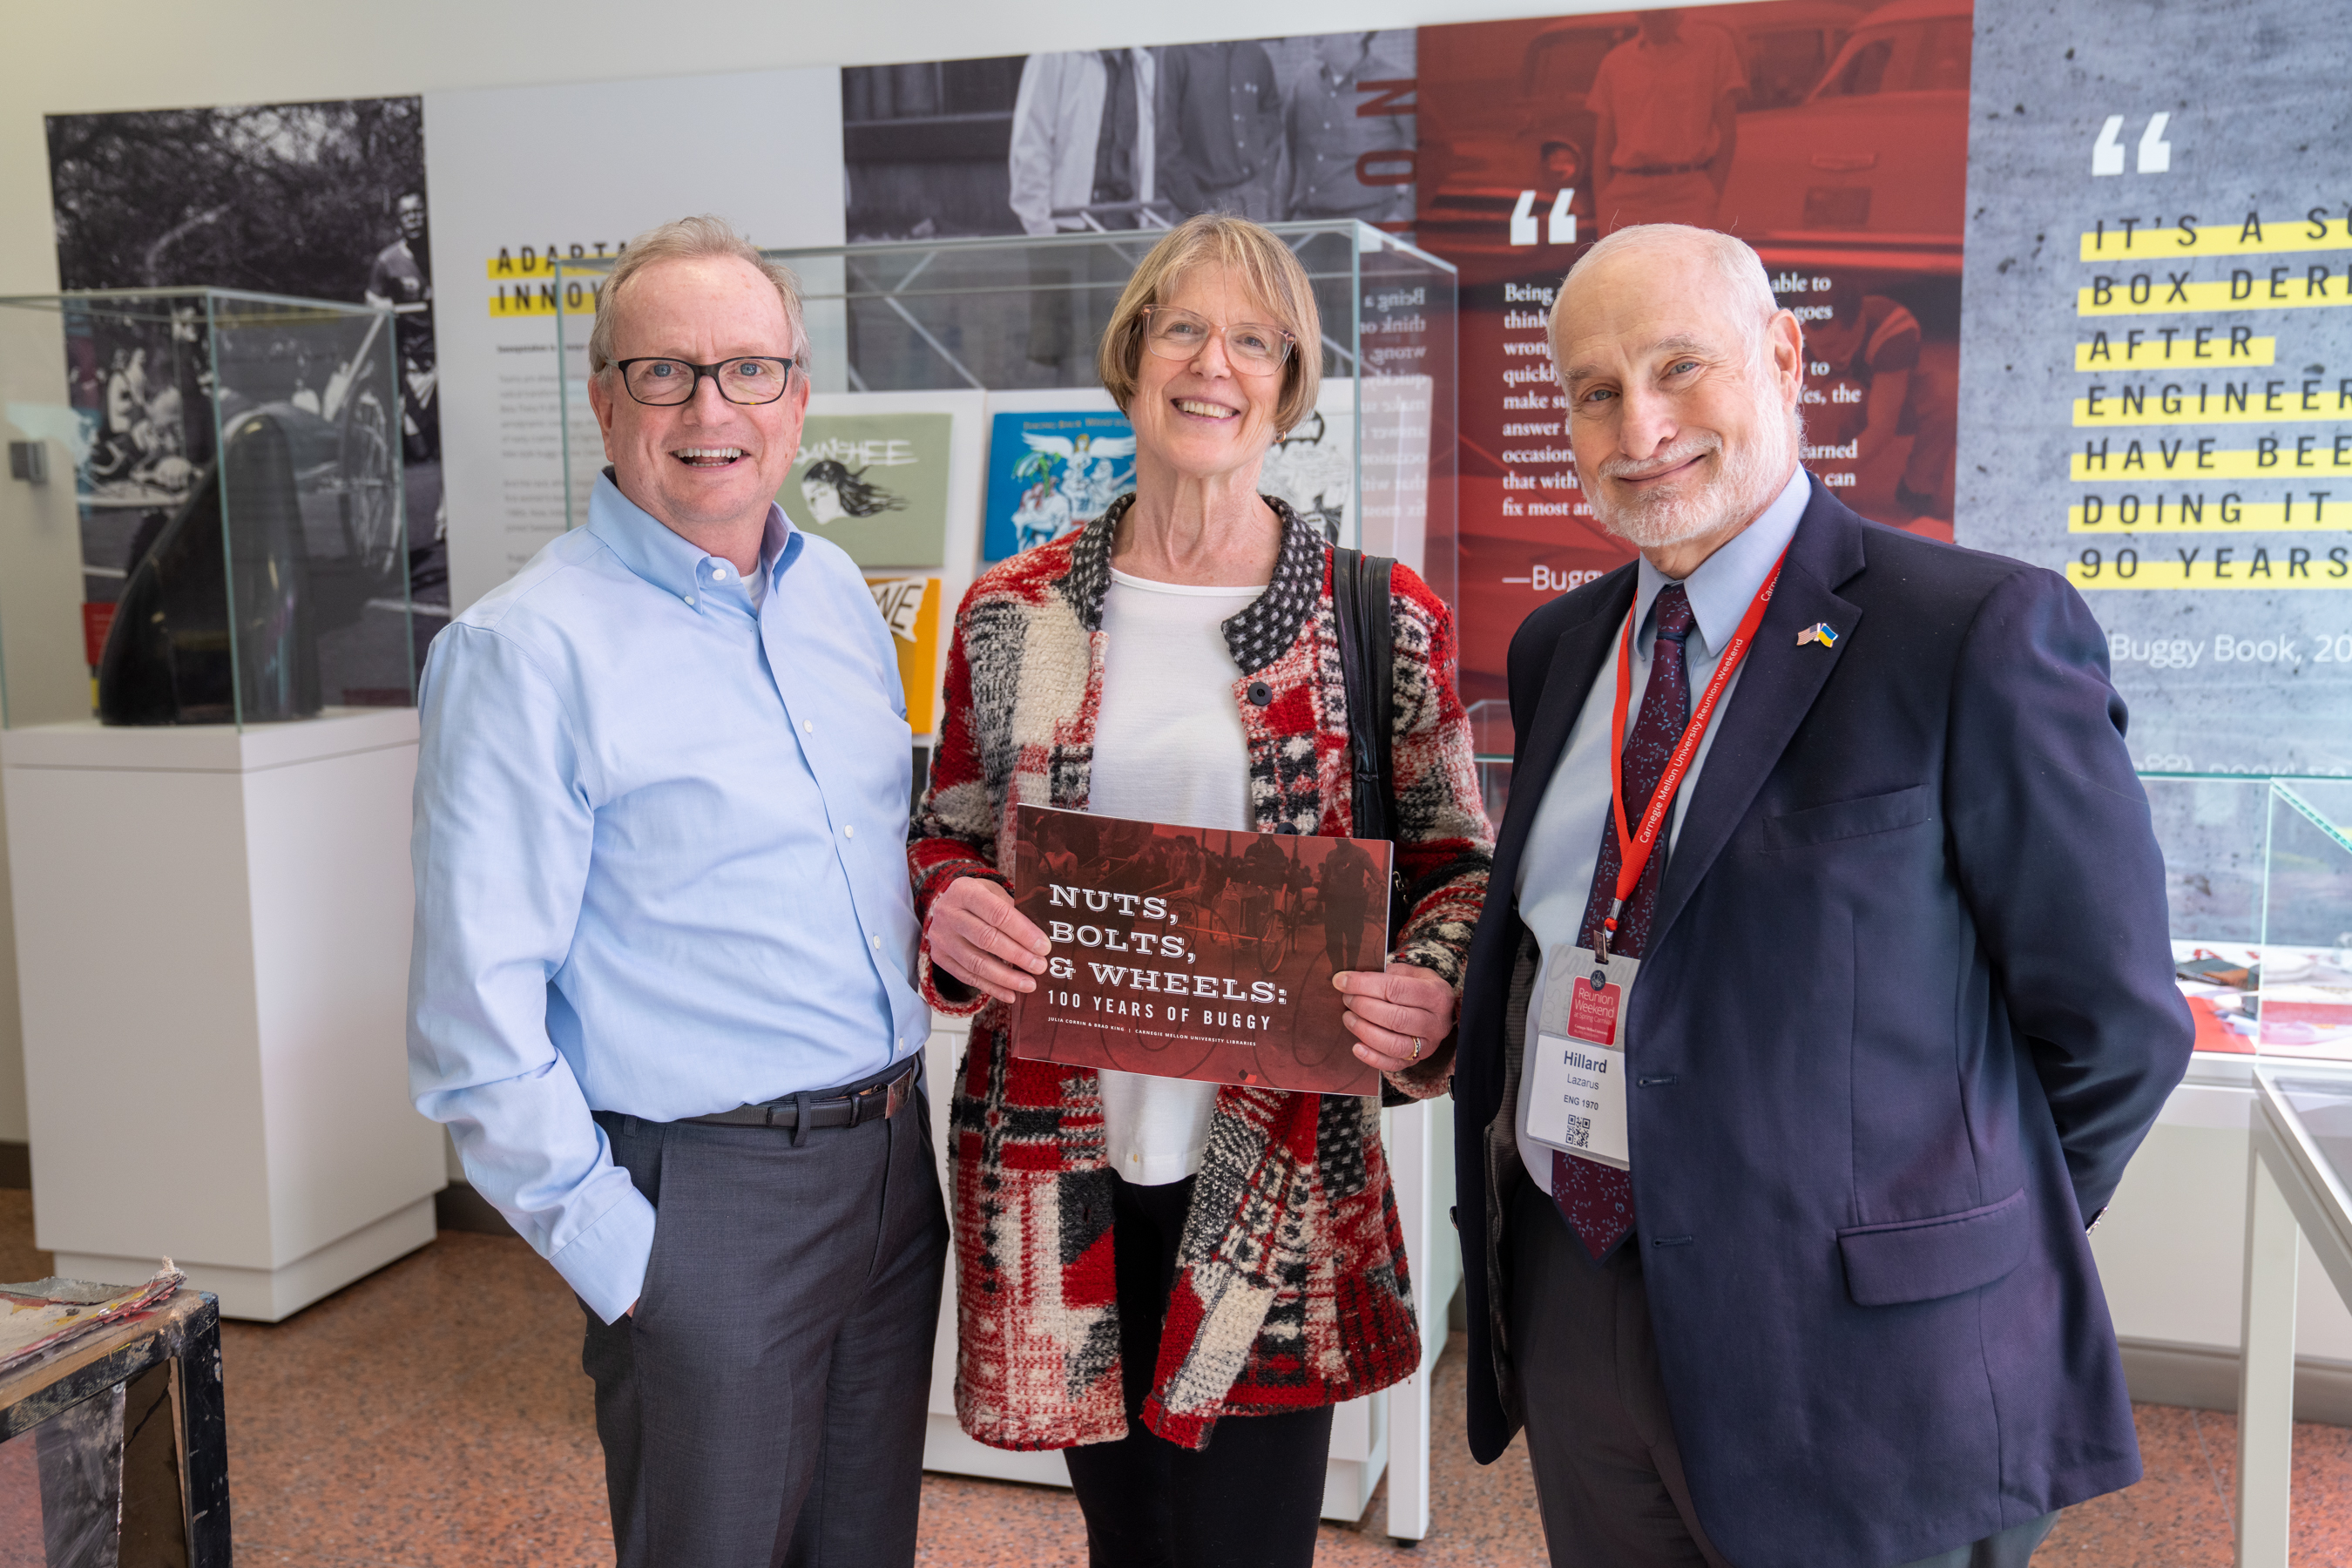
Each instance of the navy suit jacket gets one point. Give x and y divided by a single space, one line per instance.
1907 1010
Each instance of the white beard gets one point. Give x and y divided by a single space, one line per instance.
1743 485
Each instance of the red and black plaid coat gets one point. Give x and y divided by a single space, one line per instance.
1292 1286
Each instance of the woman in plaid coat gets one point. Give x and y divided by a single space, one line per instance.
1175 1282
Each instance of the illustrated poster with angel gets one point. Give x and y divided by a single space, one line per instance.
1052 471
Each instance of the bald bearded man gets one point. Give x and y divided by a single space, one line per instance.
1822 992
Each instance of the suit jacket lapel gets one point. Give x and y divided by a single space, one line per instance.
1576 662
1778 683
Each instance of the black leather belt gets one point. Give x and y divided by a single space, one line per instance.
794 1113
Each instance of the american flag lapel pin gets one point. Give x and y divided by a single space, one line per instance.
1820 632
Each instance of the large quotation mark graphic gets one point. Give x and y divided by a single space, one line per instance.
2155 151
1559 227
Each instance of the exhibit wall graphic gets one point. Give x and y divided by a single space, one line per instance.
321 201
909 606
1055 460
2156 396
1272 129
895 479
1832 137
523 175
874 484
2154 287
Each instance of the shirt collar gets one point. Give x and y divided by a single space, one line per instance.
668 559
1725 584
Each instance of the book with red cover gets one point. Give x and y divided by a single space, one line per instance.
1197 952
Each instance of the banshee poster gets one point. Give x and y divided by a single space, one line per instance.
1831 139
874 484
2154 397
1197 952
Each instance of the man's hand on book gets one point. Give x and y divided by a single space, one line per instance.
977 935
1399 1017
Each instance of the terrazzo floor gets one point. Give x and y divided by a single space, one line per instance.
434 1415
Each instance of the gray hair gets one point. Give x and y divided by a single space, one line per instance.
692 239
1740 268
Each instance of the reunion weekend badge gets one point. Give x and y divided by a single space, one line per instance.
1197 952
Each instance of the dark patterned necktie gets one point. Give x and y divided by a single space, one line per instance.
1597 1200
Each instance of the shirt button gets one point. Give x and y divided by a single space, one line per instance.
719 573
808 726
1260 693
873 941
688 598
849 830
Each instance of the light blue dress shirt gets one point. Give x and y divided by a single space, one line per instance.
661 864
1555 877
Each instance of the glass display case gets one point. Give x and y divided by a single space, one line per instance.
1018 320
2258 872
204 520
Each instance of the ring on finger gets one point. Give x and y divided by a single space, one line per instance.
1417 1047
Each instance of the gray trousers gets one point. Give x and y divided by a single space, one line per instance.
1609 1477
765 1404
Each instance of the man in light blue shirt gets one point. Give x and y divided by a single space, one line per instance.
660 991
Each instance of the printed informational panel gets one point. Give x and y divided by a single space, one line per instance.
2155 395
765 158
1831 137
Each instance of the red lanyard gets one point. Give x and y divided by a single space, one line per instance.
1633 848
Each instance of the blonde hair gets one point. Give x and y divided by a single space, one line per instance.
692 239
1268 270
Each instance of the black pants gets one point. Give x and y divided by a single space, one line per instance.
1251 1499
765 1404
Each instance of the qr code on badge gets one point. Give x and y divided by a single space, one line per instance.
1579 1129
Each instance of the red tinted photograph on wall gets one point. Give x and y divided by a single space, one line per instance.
1832 137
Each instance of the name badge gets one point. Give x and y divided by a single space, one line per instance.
1575 1099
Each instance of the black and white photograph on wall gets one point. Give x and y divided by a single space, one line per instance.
1117 141
1318 126
316 200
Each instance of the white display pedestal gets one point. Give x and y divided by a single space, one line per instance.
1388 1433
212 944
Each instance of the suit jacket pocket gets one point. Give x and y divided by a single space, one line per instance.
1851 818
1926 1259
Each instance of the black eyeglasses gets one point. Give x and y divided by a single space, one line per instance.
667 383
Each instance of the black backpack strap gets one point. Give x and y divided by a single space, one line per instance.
1360 586
1360 593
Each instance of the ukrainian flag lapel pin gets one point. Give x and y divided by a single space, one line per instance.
1820 632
